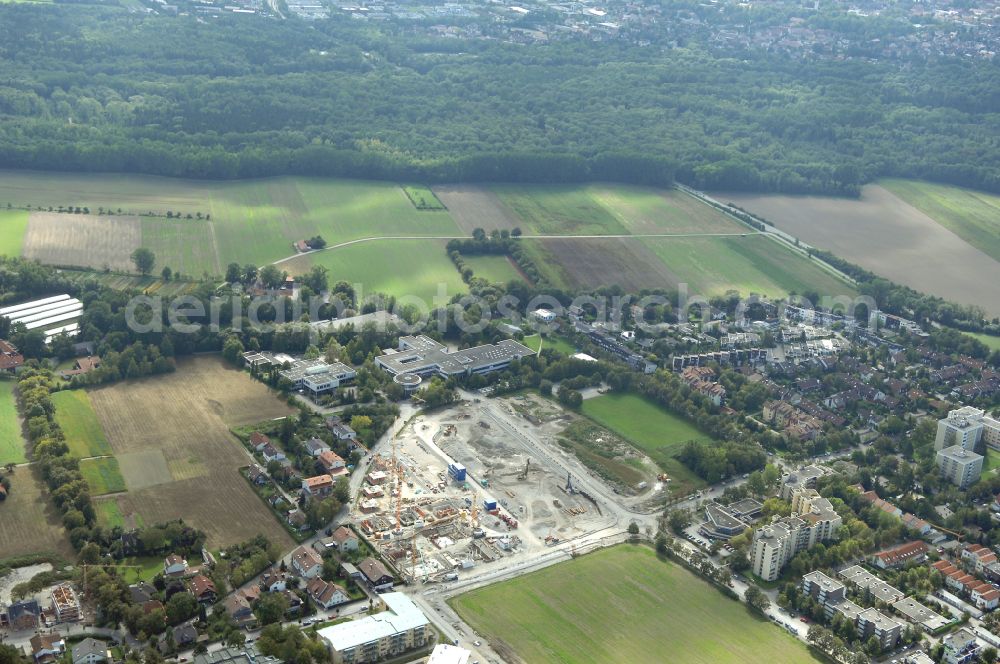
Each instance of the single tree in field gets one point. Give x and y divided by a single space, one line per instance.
143 259
167 273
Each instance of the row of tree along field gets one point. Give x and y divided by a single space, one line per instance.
105 90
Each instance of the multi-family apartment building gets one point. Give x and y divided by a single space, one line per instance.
965 427
398 629
774 545
960 466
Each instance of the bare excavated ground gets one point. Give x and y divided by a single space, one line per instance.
82 240
592 263
888 236
474 207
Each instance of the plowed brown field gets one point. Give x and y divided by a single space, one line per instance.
183 419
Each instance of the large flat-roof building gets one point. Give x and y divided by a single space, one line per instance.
872 622
318 376
866 581
422 356
960 466
401 627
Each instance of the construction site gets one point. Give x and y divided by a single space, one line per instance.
462 488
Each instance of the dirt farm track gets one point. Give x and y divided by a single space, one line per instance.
888 236
171 436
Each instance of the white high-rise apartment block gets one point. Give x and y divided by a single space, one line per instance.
959 466
963 427
775 544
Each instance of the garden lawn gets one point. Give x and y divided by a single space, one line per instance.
655 431
394 267
103 475
75 416
11 443
972 215
555 343
623 605
13 224
495 269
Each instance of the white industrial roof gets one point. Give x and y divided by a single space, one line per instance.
45 322
14 308
402 615
48 312
70 329
448 654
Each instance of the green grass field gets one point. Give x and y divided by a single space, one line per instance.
109 514
650 428
711 266
642 210
11 443
972 215
556 343
559 210
992 460
75 416
252 221
103 475
13 224
423 198
497 269
623 605
394 267
992 342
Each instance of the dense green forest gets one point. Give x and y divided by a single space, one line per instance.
100 89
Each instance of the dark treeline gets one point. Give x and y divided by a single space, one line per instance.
98 89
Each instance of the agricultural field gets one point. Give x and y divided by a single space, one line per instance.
170 436
82 240
887 235
474 207
11 443
559 210
249 221
972 215
13 224
393 267
79 424
423 198
29 522
622 605
103 475
650 428
752 264
497 269
149 284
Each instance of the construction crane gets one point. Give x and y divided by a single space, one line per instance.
569 484
524 473
397 479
